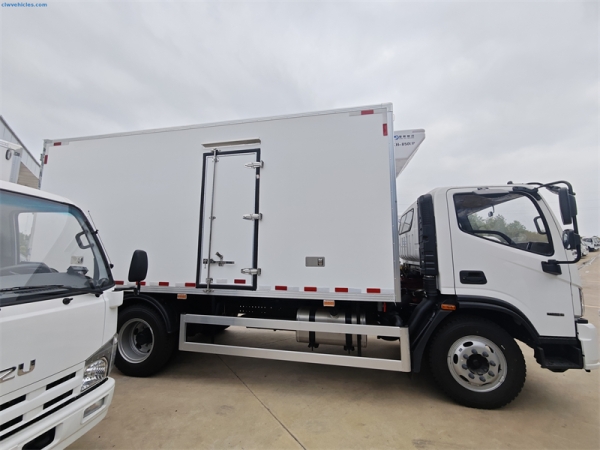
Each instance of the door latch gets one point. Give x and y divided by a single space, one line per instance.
251 271
252 216
255 165
220 262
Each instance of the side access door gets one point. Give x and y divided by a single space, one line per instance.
229 220
500 237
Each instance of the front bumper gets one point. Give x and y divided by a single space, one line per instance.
68 422
588 336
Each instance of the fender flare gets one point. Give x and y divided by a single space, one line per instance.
491 304
167 315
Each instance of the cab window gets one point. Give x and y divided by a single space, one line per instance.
506 219
406 222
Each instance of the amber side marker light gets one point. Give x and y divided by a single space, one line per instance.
447 307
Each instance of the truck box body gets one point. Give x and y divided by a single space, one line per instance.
325 196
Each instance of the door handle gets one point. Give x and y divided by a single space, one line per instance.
472 277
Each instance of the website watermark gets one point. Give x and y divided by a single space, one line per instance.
24 5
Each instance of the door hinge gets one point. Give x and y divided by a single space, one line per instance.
251 271
252 216
255 165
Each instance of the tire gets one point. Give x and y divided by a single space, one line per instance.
477 363
144 345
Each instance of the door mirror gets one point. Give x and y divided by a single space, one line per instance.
139 266
568 206
570 239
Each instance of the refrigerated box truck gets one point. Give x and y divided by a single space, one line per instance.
290 223
58 321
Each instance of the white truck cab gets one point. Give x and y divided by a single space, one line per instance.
58 319
496 257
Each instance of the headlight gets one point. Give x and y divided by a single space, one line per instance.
99 365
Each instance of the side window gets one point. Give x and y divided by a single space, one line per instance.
406 221
509 219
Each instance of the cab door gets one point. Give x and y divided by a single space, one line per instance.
229 220
500 237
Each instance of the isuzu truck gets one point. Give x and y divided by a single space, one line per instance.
58 321
290 223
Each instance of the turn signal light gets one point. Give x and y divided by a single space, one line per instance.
447 307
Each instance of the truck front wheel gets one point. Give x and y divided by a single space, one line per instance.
144 345
477 363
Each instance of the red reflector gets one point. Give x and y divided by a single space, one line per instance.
120 283
341 289
310 289
163 283
45 159
239 281
56 144
281 288
373 291
366 111
143 283
385 129
190 284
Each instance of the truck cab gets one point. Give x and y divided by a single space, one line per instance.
58 318
495 255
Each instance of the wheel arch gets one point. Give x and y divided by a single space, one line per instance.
167 314
503 314
506 316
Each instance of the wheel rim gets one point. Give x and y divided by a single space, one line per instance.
477 364
136 340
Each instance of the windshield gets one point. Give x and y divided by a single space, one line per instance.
46 248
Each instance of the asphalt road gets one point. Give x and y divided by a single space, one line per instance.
209 401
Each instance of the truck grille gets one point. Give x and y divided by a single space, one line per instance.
16 413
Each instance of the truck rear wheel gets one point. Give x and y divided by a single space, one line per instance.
144 345
477 363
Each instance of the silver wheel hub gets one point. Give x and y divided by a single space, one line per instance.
136 341
477 364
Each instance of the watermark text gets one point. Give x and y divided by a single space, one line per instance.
24 5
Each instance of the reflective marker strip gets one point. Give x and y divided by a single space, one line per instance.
46 159
385 132
339 290
367 111
120 283
56 144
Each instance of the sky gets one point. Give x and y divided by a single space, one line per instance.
506 91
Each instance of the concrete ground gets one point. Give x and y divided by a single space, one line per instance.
209 401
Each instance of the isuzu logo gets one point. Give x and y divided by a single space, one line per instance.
9 374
